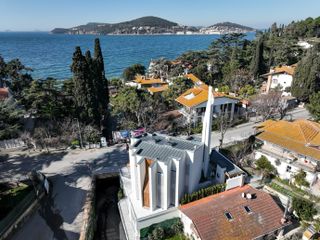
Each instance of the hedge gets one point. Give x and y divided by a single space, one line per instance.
204 192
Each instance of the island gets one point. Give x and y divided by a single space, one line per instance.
151 25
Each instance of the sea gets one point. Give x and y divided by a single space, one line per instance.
50 55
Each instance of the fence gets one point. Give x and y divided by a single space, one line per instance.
17 214
11 143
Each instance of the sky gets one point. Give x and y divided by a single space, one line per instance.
44 15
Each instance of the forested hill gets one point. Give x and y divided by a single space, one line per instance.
144 25
307 28
231 25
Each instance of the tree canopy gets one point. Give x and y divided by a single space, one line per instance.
10 120
130 73
314 106
306 79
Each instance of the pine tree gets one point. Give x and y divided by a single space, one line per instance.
306 80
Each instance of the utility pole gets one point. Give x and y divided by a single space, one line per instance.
79 132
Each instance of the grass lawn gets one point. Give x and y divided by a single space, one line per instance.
10 196
178 237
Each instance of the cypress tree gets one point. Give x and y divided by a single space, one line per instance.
91 91
102 90
79 69
257 65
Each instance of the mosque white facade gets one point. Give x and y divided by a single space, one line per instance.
164 168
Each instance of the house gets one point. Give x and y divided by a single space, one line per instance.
241 213
160 89
152 85
279 77
4 93
164 168
291 147
194 101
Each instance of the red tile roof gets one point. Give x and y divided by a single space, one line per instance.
4 93
208 215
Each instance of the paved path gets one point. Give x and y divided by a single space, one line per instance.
60 214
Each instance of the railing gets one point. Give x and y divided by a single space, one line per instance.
273 153
17 212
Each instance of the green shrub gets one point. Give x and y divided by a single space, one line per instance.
75 142
120 194
304 209
204 192
167 226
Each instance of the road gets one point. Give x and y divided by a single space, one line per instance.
243 131
60 214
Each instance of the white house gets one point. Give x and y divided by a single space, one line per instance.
280 77
291 147
164 168
194 102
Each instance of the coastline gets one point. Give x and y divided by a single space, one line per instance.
155 34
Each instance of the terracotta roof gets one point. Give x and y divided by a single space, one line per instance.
301 136
208 215
158 89
196 81
198 95
4 93
141 80
282 69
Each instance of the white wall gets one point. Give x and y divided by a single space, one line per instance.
235 182
284 80
282 168
196 158
157 218
188 227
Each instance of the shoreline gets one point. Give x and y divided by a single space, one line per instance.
155 34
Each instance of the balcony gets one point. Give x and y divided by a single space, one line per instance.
288 158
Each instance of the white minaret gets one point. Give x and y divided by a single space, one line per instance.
206 131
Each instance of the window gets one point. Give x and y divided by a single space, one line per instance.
275 81
173 188
248 209
228 216
159 189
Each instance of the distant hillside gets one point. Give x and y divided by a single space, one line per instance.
151 25
226 27
144 25
232 25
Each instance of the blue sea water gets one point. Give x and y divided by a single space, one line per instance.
50 55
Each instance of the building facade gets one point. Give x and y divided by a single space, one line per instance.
194 102
164 168
291 147
281 78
